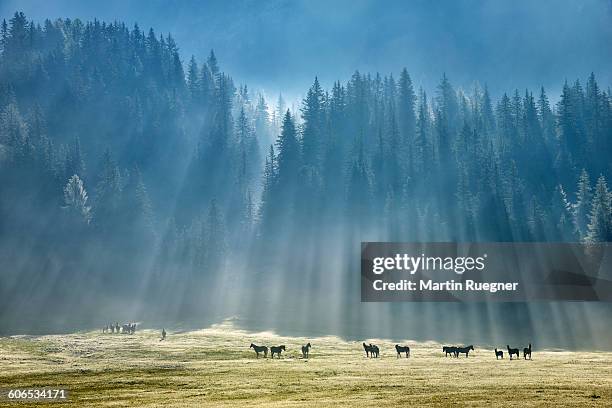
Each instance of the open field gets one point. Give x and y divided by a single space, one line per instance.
214 367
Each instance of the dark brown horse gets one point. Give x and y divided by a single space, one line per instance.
449 350
512 351
259 349
402 349
527 352
305 350
276 350
463 350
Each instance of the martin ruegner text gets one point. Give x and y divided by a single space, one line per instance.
449 285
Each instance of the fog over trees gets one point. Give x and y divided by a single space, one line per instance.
135 178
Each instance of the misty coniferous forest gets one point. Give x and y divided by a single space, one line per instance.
136 181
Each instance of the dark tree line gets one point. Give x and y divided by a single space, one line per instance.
122 164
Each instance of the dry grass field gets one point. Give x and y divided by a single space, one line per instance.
214 367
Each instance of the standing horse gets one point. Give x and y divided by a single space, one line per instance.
305 350
463 350
276 350
259 349
374 351
527 352
449 350
402 349
499 354
512 351
368 349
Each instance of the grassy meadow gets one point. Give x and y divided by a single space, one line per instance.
215 367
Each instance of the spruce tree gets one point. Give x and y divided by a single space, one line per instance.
600 220
75 198
583 205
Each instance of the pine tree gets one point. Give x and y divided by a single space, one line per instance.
546 117
213 65
75 198
406 115
193 79
288 157
266 205
3 36
423 151
446 115
600 220
583 205
488 118
312 114
568 132
262 119
562 216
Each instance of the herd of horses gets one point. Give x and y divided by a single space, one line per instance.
373 351
127 328
514 351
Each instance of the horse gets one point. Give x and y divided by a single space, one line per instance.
512 351
368 349
449 350
259 349
163 335
374 351
463 350
499 354
276 350
402 349
527 351
305 350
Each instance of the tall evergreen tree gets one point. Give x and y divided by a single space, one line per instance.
75 199
600 220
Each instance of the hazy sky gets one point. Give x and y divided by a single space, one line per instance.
282 45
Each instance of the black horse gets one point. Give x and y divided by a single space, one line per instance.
259 349
463 350
368 349
527 352
449 350
402 349
305 350
512 351
374 351
276 350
